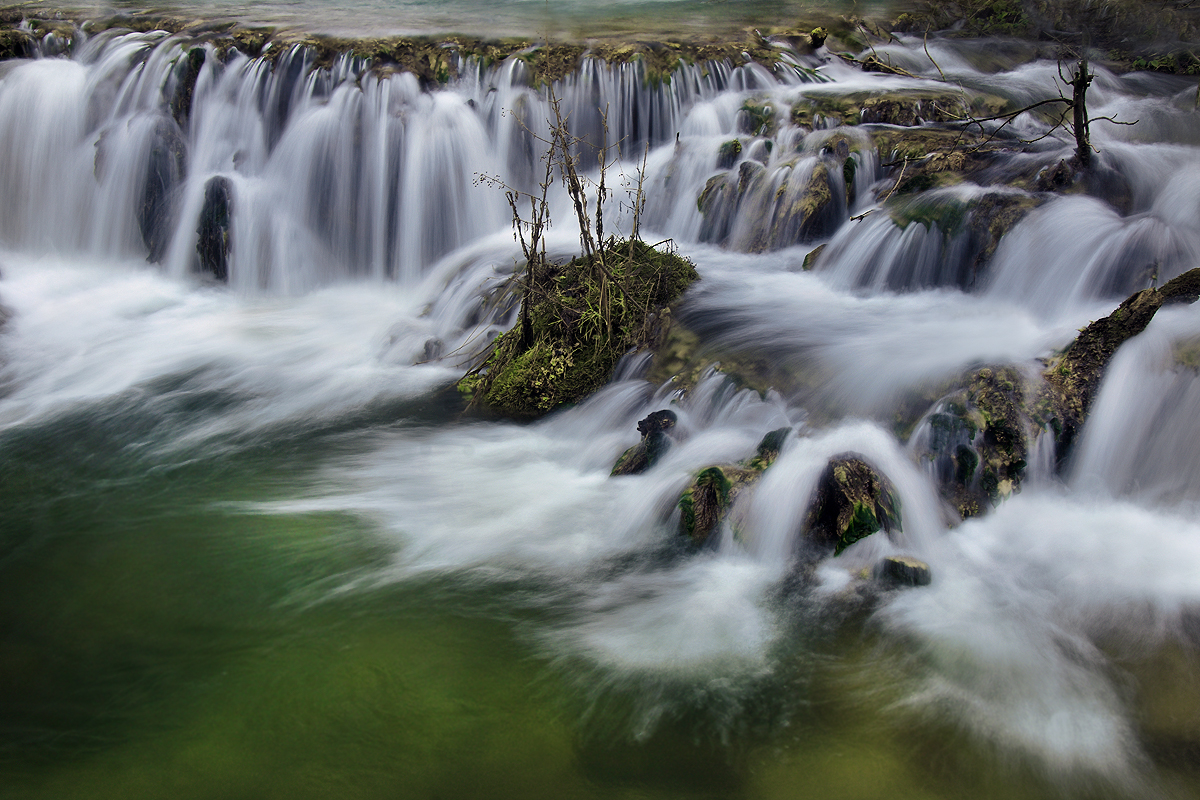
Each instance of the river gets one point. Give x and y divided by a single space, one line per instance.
250 548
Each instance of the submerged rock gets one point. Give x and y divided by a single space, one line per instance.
650 449
851 501
214 243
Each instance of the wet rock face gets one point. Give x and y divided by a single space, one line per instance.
852 500
214 243
164 175
655 442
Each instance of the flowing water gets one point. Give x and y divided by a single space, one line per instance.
250 550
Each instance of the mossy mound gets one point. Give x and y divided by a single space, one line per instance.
580 324
851 501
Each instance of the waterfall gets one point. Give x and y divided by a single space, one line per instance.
236 293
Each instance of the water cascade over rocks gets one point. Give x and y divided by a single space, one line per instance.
240 276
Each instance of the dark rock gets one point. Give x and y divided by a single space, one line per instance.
978 438
704 503
1056 178
650 449
187 70
850 502
166 167
902 571
214 243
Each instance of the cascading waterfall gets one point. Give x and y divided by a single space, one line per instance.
236 290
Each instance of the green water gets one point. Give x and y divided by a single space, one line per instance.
162 640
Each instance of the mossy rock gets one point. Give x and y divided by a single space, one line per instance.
711 494
570 348
728 153
15 44
851 501
757 118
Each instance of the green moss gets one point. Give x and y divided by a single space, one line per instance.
574 348
759 119
727 154
863 523
949 214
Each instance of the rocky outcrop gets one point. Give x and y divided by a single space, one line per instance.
655 442
709 497
851 501
977 438
187 71
215 241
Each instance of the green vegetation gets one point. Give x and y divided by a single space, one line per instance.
576 339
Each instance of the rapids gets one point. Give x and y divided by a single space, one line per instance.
251 550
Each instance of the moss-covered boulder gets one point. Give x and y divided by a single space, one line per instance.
755 209
711 494
15 43
583 316
977 441
851 501
655 442
728 153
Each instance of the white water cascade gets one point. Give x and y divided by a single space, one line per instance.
367 250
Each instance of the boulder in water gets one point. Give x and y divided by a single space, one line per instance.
851 501
650 449
187 70
214 243
15 43
727 153
902 571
